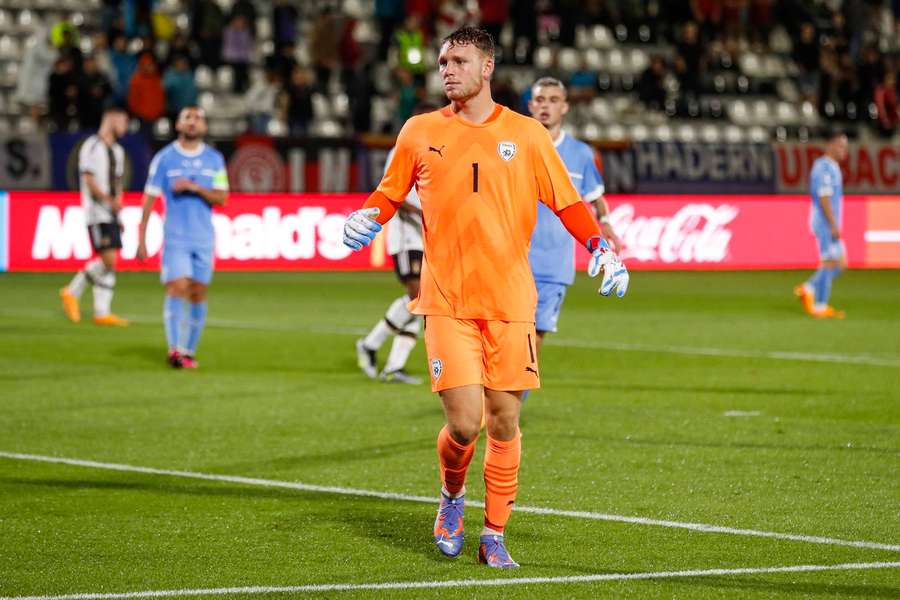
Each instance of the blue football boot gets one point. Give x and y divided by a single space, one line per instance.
492 552
448 526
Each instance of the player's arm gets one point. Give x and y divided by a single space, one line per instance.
825 203
96 193
555 189
147 208
593 193
212 196
363 225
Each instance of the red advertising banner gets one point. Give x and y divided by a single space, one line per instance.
47 232
870 168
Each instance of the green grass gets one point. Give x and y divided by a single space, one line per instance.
639 430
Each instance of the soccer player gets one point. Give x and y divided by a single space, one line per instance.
552 254
101 163
406 250
192 179
827 191
478 168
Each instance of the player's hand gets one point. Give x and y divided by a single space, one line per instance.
142 251
361 227
835 233
116 204
182 185
611 236
615 275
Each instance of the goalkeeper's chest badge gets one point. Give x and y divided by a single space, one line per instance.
506 150
437 367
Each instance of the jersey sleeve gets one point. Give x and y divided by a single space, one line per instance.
399 176
220 178
554 186
120 161
591 180
154 184
87 157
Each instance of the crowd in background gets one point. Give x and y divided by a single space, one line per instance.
141 59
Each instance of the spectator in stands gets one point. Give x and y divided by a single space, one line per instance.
360 91
284 24
807 55
261 99
182 45
137 17
410 43
34 77
246 9
524 30
651 84
237 51
63 93
324 41
296 101
408 96
207 23
389 14
503 92
94 89
349 51
124 64
179 86
110 12
869 72
761 22
284 60
708 15
453 14
494 13
68 45
582 83
146 96
885 97
100 51
690 62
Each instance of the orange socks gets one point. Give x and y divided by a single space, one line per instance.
455 459
501 480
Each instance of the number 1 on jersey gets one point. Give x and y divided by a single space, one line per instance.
475 177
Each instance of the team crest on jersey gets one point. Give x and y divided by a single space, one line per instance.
437 367
506 150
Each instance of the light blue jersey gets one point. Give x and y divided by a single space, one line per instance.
552 254
188 217
825 180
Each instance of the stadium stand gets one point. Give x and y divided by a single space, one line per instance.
736 70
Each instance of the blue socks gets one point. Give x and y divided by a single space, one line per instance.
821 283
195 326
173 312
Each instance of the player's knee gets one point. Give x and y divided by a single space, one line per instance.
109 260
198 294
177 288
502 426
412 287
464 432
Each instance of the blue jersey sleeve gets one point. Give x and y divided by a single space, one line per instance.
154 184
220 179
592 181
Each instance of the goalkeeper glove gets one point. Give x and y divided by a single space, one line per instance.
615 275
361 227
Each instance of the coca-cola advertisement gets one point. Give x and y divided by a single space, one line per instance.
45 231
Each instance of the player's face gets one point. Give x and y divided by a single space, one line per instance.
191 123
548 105
840 148
119 123
464 70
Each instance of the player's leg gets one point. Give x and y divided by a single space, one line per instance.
511 366
455 358
546 316
175 275
832 253
404 342
104 285
201 275
91 271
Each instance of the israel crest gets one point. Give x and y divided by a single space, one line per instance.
506 150
437 367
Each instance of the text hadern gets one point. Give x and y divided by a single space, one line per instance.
61 234
695 233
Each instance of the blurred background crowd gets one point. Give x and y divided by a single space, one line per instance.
716 70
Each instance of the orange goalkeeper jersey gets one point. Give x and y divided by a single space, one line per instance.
479 186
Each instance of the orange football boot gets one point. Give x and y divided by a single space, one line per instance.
111 320
70 305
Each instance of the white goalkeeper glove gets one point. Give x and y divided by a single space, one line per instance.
615 275
360 228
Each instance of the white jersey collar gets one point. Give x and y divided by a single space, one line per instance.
559 140
189 154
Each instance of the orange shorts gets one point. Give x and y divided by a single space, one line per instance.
500 355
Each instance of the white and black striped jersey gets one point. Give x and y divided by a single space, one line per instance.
107 165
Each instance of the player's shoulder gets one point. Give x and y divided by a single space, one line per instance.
425 122
90 144
579 147
213 152
518 121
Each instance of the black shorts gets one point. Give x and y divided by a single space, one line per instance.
408 264
105 236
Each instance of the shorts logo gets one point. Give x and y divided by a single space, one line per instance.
437 367
506 150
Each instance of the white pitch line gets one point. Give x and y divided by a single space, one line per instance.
816 357
534 510
461 583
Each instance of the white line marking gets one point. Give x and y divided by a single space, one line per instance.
462 583
741 413
882 235
850 359
534 510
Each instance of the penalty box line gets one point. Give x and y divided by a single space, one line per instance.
535 510
461 583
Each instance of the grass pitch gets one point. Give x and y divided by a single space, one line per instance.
701 397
